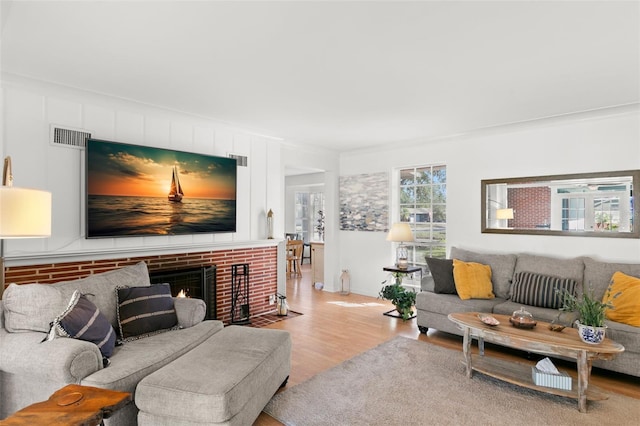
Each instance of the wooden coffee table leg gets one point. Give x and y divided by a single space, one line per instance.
466 349
584 371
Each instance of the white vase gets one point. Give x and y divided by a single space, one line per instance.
590 334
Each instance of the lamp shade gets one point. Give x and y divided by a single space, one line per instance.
504 214
400 233
24 213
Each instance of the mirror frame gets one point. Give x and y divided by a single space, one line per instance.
635 174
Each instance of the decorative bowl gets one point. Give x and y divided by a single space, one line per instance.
488 319
554 326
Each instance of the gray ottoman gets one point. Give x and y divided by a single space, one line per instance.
226 380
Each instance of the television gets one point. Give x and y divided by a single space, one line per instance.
134 190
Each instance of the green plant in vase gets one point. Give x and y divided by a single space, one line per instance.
591 313
401 298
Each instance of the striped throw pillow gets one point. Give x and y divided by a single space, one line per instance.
539 290
144 311
83 320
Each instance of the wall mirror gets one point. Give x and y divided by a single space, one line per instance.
586 204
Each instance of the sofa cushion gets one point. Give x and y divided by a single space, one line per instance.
217 380
32 307
502 267
442 273
472 280
135 360
143 311
572 268
540 290
82 320
627 335
624 295
597 275
445 304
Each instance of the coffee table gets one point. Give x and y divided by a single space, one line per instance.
541 340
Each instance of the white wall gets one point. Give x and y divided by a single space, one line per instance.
29 109
603 141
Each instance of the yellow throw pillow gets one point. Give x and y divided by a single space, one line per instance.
472 280
626 305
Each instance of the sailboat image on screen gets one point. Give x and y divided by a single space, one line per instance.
175 192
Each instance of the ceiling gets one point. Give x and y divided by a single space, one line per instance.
341 75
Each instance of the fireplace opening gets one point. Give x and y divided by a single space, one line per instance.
193 282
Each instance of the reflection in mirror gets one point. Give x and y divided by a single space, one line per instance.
594 204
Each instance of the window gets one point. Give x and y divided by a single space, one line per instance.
573 214
423 204
308 216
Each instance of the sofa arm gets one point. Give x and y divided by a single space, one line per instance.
63 359
190 311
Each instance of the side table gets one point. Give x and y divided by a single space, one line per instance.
408 270
73 405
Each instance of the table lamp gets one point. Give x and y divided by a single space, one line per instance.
401 233
502 214
24 213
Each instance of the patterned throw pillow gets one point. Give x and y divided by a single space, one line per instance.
539 290
624 295
83 320
144 311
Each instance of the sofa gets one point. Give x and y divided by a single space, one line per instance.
32 368
588 274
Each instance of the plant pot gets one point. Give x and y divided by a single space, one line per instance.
590 334
404 312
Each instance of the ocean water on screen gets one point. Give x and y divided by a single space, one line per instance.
130 216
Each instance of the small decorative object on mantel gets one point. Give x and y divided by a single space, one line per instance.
591 313
522 319
270 225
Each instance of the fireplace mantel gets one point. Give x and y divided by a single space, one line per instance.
23 259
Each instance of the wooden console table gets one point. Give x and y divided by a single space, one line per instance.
539 340
73 405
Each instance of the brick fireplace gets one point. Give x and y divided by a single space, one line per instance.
262 279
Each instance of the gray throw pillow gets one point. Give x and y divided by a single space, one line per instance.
442 273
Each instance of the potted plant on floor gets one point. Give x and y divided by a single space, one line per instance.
591 314
401 298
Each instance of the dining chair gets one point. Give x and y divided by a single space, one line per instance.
294 256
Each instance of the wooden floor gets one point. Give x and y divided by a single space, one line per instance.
334 328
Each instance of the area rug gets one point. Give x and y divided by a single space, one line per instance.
410 382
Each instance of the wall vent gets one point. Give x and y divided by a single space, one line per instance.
72 138
241 159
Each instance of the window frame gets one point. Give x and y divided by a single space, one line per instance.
430 246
